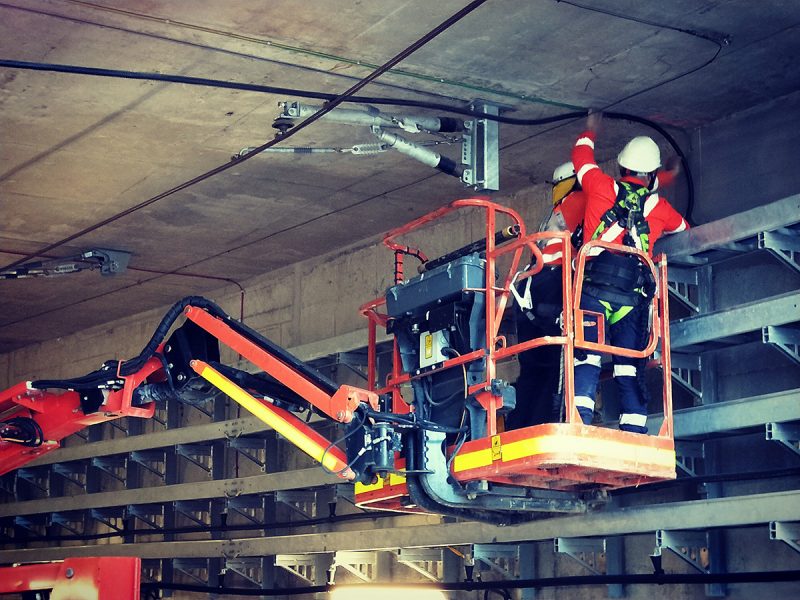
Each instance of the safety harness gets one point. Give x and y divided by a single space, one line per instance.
628 211
616 279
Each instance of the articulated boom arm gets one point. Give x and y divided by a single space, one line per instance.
34 417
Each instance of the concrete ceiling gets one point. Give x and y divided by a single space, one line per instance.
78 150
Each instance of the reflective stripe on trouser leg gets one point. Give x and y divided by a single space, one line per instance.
633 422
634 409
587 373
627 333
624 370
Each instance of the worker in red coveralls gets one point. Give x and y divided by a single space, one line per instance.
540 299
625 211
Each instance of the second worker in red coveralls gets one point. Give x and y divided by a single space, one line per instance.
626 211
539 383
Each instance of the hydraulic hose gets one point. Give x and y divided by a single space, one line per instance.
131 366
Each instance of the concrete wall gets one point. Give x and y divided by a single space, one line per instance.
295 306
747 159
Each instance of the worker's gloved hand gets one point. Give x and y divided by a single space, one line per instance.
594 120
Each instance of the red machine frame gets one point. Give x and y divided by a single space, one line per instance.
562 456
59 414
76 578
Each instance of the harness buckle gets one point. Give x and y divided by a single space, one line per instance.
524 301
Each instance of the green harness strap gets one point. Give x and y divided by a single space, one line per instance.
628 211
612 316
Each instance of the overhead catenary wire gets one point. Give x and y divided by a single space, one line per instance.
349 96
325 109
334 101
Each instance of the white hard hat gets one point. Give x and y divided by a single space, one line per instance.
640 155
563 172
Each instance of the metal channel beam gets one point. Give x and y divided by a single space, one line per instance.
697 514
224 488
777 310
171 437
786 532
721 417
731 229
696 422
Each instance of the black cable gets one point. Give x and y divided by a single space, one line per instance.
711 36
22 430
220 83
675 146
228 528
718 39
353 431
545 582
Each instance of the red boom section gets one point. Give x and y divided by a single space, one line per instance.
59 415
77 578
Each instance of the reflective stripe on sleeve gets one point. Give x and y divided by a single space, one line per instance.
650 204
612 233
585 141
585 402
552 257
681 227
585 169
609 235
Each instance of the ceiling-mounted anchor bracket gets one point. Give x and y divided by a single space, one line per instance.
480 147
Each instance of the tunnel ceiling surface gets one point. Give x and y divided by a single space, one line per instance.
87 160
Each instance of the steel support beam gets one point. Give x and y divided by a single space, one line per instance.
258 484
500 558
788 533
734 415
786 434
785 339
697 514
784 246
690 546
745 318
170 437
586 551
728 230
425 561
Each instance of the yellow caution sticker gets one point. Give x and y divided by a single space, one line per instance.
428 346
497 450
